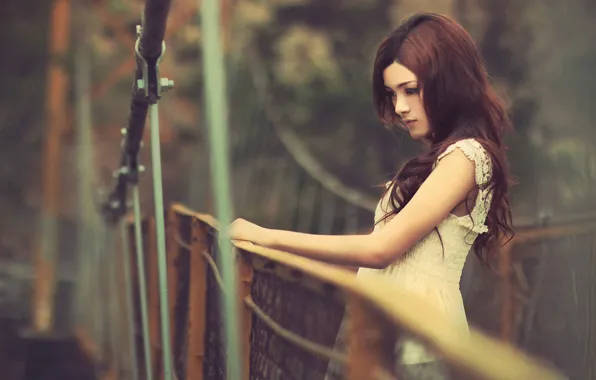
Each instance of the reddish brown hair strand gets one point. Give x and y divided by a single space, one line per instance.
460 103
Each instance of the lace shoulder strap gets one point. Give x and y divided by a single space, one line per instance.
476 153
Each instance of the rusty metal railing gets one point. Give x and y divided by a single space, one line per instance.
296 306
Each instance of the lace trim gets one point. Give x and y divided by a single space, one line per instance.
466 221
476 153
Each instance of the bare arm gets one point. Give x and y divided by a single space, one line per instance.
443 190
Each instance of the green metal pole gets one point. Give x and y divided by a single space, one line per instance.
142 282
113 303
133 368
162 265
217 121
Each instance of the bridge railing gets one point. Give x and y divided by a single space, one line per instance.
292 310
547 292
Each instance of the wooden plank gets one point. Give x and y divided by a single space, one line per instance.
369 340
197 303
537 234
89 348
478 356
172 258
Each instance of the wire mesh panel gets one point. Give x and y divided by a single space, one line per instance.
214 367
313 313
293 322
556 302
392 347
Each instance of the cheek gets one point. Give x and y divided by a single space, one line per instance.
419 107
421 104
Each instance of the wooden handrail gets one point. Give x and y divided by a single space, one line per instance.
554 232
479 356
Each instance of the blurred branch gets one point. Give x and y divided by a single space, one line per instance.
300 153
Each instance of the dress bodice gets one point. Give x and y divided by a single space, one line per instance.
433 266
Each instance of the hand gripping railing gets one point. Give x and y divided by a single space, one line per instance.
147 90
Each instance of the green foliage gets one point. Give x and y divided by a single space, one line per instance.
24 42
318 56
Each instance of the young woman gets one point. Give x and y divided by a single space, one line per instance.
428 79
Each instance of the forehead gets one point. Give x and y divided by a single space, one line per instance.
396 75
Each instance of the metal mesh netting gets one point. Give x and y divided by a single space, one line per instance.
214 367
556 307
314 315
553 305
181 302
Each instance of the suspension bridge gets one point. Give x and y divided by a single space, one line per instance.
169 296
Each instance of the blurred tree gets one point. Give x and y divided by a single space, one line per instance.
21 103
23 73
504 44
318 58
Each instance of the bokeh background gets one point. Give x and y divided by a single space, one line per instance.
307 151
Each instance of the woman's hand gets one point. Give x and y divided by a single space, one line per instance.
242 229
352 250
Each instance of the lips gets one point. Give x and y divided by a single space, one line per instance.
409 121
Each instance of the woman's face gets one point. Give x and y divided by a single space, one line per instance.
406 94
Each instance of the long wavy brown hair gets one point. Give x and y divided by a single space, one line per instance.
460 103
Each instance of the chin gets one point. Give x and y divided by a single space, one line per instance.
417 136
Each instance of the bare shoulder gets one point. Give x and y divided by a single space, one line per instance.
474 153
455 168
447 186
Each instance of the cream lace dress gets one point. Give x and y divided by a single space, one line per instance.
433 270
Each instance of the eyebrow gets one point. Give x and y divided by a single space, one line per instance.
402 84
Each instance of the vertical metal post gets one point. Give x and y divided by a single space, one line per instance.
130 311
142 283
99 306
217 113
161 242
113 303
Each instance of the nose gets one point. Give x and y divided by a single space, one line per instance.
401 106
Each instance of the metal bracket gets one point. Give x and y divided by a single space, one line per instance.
150 82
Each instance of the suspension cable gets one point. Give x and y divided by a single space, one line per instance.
129 302
147 89
142 281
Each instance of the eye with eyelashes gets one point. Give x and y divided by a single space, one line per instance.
408 91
